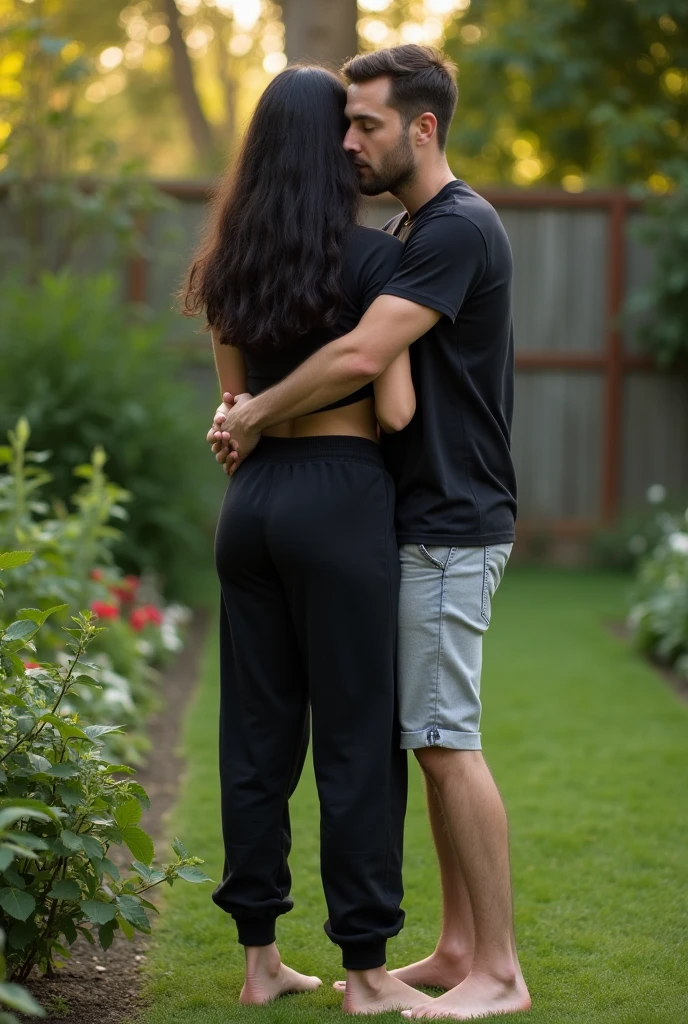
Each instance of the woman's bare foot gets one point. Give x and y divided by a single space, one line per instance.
440 970
377 991
480 995
267 978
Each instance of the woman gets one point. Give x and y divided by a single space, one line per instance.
305 547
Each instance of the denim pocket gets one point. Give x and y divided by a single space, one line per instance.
437 556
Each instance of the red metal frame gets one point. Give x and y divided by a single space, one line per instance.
613 362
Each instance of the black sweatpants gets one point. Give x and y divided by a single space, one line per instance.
309 568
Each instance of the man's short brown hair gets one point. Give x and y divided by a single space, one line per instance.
422 79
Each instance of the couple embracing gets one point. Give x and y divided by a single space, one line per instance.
367 524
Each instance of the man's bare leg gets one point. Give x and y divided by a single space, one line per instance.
453 955
267 978
477 826
376 991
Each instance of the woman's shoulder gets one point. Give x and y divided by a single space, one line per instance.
370 248
365 239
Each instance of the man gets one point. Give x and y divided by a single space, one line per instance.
455 491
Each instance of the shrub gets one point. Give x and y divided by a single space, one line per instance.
62 882
659 616
88 371
73 565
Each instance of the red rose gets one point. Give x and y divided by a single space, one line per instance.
96 574
138 619
154 614
105 610
31 664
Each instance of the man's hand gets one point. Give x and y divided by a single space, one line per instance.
232 439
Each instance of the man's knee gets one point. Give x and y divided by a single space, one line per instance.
441 763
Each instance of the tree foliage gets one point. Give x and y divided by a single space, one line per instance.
583 91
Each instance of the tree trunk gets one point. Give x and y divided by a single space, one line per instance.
182 72
320 30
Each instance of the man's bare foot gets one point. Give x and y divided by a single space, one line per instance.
267 978
480 995
377 992
439 970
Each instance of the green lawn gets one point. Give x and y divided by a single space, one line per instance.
589 748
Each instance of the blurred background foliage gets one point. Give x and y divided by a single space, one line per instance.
572 92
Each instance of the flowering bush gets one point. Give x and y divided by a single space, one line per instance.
68 804
659 616
73 565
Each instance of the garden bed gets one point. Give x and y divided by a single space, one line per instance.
103 987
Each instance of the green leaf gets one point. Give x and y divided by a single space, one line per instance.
18 904
140 793
128 813
71 840
39 809
131 910
92 848
22 629
106 933
28 839
123 769
11 559
109 868
192 874
66 889
98 911
95 731
70 795
179 849
21 934
63 770
8 815
139 843
41 765
17 997
38 616
125 926
7 855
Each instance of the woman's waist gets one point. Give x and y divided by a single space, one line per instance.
357 420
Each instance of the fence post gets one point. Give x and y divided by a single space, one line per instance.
614 372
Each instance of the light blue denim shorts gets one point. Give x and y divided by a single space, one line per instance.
445 606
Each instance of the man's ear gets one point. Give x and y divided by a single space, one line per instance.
425 126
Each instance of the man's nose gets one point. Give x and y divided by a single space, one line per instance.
350 144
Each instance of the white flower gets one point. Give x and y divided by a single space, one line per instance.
637 545
144 648
636 616
656 494
678 542
171 641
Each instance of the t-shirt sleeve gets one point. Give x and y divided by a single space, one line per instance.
382 261
443 260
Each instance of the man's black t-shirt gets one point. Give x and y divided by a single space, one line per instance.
452 464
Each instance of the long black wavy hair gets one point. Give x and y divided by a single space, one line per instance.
269 267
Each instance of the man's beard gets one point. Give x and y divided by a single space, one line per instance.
396 171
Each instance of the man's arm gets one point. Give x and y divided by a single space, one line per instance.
337 369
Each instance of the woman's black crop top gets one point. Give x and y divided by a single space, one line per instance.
371 257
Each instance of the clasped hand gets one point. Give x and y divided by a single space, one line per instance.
230 440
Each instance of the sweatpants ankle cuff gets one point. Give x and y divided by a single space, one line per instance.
364 956
255 931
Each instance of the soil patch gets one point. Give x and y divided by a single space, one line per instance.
677 683
98 987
